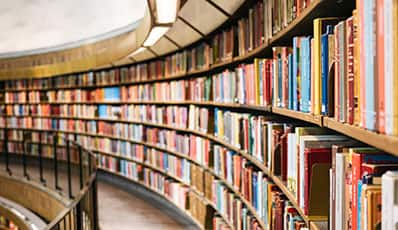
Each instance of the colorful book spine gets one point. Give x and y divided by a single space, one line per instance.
369 32
305 99
380 67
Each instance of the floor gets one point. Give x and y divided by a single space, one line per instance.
121 210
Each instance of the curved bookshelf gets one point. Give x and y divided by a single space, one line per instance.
217 140
383 142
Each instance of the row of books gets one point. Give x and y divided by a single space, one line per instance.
311 142
281 156
264 19
334 72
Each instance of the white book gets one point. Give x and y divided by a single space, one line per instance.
292 163
389 195
340 190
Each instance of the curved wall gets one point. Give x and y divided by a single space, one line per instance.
42 201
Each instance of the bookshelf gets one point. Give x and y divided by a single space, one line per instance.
280 114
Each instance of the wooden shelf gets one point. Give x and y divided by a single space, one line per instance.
307 117
380 141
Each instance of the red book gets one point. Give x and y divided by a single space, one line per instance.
268 83
377 169
237 170
284 154
380 125
285 73
314 156
350 69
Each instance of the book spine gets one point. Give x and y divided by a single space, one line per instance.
380 66
357 110
350 70
317 71
370 45
313 82
295 74
337 73
395 66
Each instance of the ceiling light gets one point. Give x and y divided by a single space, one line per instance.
139 50
155 35
166 11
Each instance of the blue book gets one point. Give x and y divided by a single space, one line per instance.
260 79
325 68
265 200
215 121
296 74
102 111
54 124
290 82
254 189
112 94
165 161
305 55
359 203
230 155
370 39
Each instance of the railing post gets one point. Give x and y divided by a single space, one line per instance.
89 165
55 162
24 159
80 166
79 215
69 169
95 204
6 151
42 180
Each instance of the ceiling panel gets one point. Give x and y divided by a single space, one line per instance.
182 34
202 15
229 6
164 46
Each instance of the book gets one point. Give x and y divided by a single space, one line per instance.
389 200
320 27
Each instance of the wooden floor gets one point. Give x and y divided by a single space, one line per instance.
121 210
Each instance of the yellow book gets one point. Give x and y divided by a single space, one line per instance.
257 80
395 66
220 124
319 28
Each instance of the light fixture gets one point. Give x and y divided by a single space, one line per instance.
139 50
156 33
166 11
